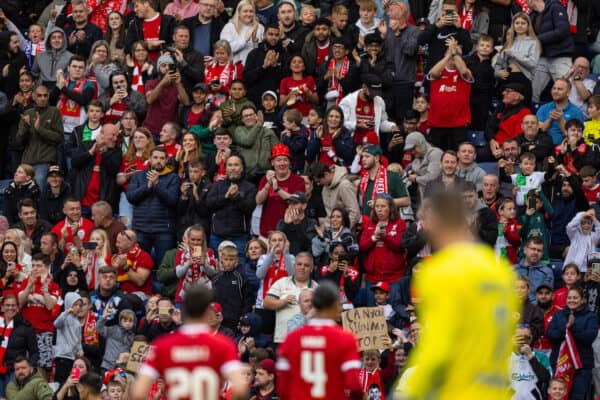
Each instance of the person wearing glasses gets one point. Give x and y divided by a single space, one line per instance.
533 268
529 369
169 318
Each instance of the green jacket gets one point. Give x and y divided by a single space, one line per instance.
254 144
235 119
34 388
40 144
166 274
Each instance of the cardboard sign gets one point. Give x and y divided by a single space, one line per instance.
137 355
369 326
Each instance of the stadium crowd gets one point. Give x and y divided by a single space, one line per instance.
261 148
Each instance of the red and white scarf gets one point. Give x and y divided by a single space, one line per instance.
68 107
334 84
466 18
274 274
90 333
380 185
6 331
223 73
137 79
571 14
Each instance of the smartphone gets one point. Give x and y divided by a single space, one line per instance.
215 82
531 202
75 374
196 251
90 245
164 311
172 68
450 13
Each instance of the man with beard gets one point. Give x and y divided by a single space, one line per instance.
447 179
29 223
293 32
545 298
154 193
231 202
265 65
28 383
317 46
264 381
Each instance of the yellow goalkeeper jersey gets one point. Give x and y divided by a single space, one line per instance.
467 311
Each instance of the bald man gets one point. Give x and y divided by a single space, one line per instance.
95 166
582 86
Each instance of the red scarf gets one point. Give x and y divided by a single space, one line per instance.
6 331
524 6
90 334
137 79
466 18
380 185
91 271
334 84
221 173
571 14
274 274
68 107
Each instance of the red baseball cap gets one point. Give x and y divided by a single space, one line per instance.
217 307
268 365
381 286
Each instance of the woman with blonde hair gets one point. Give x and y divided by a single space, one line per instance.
18 237
520 54
243 32
93 260
220 72
100 66
190 150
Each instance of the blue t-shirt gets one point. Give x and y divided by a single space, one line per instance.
570 112
202 39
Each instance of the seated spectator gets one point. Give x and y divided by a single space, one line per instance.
508 241
332 142
524 361
508 123
49 247
342 272
150 26
483 223
590 186
220 72
118 97
198 116
426 160
584 234
231 108
189 150
102 215
22 187
393 142
490 191
169 319
447 180
53 197
554 115
532 267
298 228
55 57
215 163
534 141
182 9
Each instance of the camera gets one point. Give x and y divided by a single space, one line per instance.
346 257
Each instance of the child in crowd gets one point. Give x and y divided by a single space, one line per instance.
590 185
92 127
507 244
313 122
557 390
232 289
591 130
534 221
308 16
528 179
118 337
270 111
570 277
295 137
422 106
584 233
483 87
370 375
368 22
68 337
115 390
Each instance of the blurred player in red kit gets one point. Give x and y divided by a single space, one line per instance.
320 360
194 361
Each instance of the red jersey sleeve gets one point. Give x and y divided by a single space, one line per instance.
351 364
229 361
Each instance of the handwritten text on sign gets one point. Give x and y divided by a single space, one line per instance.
369 326
137 355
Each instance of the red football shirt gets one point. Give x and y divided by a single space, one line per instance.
192 361
151 30
450 95
318 361
365 114
274 207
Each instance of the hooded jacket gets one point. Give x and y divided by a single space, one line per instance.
487 224
68 330
231 216
581 244
427 167
48 62
118 340
341 193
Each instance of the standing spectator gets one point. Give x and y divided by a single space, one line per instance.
450 112
49 247
584 234
102 215
317 47
164 94
40 132
140 69
283 296
40 302
154 194
338 190
220 72
206 27
254 143
133 265
533 268
385 260
231 202
534 141
28 384
74 229
189 62
115 36
447 179
154 28
12 62
298 90
119 98
169 318
520 54
81 33
338 74
467 167
100 66
30 223
554 115
294 33
299 228
95 167
331 143
482 219
550 21
426 160
401 44
20 188
243 32
265 65
182 9
276 187
56 57
530 369
446 25
68 337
